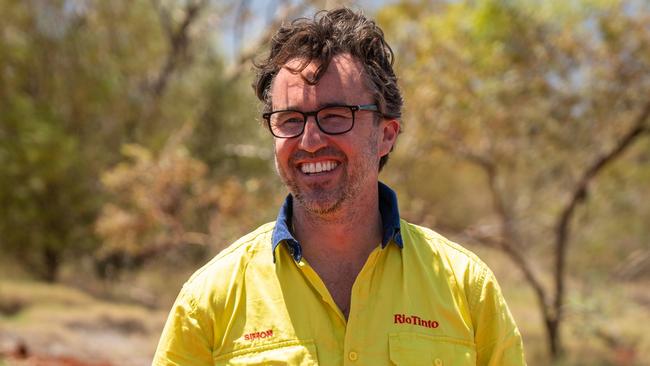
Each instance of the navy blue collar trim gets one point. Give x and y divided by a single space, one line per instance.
389 218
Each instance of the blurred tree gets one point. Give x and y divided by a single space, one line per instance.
158 203
162 202
539 98
47 206
47 200
77 80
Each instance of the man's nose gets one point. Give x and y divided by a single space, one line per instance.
312 138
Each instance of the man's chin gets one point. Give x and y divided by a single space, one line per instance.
319 199
320 205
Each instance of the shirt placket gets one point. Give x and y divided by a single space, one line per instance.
317 283
353 345
337 317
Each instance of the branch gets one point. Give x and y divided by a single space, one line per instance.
287 11
178 43
579 194
634 264
242 9
165 18
508 237
459 150
520 261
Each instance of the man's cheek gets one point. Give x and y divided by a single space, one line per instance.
277 164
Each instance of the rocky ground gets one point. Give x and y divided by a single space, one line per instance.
56 325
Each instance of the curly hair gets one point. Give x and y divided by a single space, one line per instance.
330 33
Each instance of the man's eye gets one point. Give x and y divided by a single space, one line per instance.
334 116
291 120
287 118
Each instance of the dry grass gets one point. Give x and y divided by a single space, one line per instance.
604 322
59 321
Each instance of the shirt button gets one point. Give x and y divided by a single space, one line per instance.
438 362
353 356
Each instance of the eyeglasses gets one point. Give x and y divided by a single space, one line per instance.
332 120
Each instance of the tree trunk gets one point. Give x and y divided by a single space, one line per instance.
553 334
51 261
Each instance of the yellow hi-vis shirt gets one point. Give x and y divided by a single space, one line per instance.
418 300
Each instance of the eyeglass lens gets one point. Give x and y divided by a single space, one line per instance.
331 120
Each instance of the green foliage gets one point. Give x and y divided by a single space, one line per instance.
47 205
538 95
80 80
156 203
160 203
62 88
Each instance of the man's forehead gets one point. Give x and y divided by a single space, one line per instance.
343 65
343 76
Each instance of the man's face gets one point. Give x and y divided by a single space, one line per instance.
324 171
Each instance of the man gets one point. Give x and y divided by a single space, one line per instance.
339 278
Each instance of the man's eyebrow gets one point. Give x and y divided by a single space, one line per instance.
320 106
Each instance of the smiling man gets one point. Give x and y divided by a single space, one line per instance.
338 278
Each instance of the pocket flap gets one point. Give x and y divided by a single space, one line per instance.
296 352
415 349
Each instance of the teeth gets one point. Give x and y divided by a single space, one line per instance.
311 168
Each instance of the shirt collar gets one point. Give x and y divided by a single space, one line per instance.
389 218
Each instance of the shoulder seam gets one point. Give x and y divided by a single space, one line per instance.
238 244
473 293
476 288
433 235
513 331
246 239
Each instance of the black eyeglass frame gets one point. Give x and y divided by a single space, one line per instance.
353 108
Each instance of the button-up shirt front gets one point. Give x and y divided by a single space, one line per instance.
418 300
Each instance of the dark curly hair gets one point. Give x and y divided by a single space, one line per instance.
319 39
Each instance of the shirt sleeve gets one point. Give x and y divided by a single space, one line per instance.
186 337
498 341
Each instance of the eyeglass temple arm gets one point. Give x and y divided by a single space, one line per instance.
368 107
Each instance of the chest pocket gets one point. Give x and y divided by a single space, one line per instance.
301 353
415 349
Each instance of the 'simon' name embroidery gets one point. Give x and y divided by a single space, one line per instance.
415 320
259 335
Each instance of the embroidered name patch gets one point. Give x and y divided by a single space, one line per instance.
415 320
259 335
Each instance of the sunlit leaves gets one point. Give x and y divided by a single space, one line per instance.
76 84
155 200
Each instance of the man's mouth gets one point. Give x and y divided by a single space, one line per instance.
319 167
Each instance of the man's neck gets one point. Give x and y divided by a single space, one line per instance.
351 232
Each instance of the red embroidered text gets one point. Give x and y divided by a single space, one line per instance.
257 335
415 320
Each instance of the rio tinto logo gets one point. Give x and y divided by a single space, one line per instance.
415 320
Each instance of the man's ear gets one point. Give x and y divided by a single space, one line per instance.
389 131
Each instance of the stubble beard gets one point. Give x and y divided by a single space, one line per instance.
323 201
317 198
